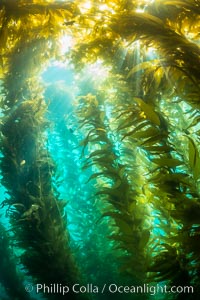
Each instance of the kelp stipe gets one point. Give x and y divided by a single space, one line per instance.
10 278
152 131
112 186
37 216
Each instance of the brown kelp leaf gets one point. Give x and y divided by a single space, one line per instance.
167 162
152 140
148 111
145 238
159 149
103 151
127 239
149 132
194 159
140 126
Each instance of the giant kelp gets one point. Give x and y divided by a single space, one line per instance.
36 215
140 126
10 277
113 183
177 58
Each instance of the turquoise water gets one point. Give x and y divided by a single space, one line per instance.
99 150
93 237
88 230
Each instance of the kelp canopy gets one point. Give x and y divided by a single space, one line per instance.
100 172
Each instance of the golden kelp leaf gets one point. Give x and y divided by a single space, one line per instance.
158 76
193 152
194 122
194 159
130 121
147 133
152 140
106 160
172 177
159 149
143 124
167 162
179 3
99 152
144 65
121 222
149 111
